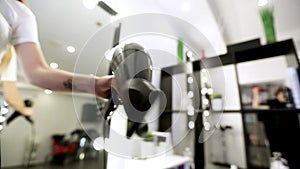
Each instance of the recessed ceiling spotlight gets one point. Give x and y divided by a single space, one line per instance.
47 91
71 49
54 65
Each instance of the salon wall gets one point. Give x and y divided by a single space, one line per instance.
54 114
239 20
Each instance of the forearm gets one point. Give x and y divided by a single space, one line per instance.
12 96
63 81
40 74
255 100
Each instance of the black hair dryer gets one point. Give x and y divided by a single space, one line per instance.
132 68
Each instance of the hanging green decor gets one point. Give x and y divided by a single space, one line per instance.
180 51
266 12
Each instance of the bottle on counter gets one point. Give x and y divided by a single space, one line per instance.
277 162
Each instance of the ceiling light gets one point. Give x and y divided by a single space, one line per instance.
54 65
90 4
71 49
47 91
185 7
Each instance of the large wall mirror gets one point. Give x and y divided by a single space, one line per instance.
269 89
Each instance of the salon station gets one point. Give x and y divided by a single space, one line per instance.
198 84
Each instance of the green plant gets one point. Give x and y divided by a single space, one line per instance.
216 96
149 137
267 17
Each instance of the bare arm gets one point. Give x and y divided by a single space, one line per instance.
40 74
256 101
13 98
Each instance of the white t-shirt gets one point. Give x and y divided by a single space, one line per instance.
17 25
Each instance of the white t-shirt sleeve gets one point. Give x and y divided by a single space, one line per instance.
24 26
10 73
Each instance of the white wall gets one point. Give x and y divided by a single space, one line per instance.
227 148
239 19
54 114
195 12
254 72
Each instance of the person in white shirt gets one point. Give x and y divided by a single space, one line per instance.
18 28
8 71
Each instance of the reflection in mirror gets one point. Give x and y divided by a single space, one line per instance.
268 84
270 97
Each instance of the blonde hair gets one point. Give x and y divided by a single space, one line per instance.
6 59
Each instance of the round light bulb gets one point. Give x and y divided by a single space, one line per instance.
47 91
206 113
190 80
190 94
206 126
54 65
4 110
191 124
71 49
2 119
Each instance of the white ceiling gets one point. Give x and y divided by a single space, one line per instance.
62 23
67 22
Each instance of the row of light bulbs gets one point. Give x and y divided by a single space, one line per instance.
3 112
205 91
